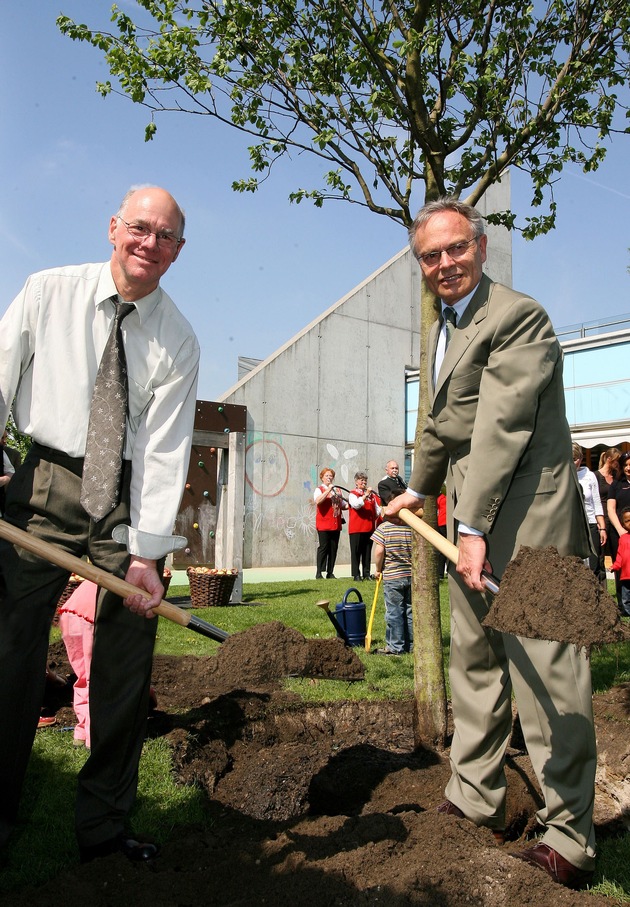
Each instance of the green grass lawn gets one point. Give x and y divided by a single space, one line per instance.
44 843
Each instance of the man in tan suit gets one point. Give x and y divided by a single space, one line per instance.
497 432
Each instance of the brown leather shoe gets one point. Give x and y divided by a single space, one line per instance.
449 809
556 866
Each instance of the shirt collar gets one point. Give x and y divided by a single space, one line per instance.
460 307
107 288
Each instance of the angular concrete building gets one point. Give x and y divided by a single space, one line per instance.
341 394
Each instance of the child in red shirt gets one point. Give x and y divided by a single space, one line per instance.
622 561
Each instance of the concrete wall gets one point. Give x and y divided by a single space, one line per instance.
334 395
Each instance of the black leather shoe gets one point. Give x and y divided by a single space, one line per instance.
556 866
136 851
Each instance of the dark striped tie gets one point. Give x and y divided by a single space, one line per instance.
450 321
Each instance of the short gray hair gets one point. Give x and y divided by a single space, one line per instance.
446 203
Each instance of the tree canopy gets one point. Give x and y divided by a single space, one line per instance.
401 101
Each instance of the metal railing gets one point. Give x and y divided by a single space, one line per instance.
593 328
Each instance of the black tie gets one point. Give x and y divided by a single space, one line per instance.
102 466
450 321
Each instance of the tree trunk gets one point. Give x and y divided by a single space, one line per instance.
430 725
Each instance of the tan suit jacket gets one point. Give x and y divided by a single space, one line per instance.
498 430
498 433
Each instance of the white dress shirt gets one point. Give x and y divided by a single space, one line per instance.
51 341
7 465
590 490
459 307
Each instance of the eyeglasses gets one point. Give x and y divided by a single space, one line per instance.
431 259
163 238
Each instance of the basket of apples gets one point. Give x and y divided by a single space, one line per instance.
210 587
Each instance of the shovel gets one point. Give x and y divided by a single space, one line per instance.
448 549
107 580
368 636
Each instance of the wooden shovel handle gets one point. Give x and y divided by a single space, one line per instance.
104 579
442 544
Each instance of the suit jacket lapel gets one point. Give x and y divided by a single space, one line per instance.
466 331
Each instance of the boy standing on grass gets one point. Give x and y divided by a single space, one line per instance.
622 561
392 559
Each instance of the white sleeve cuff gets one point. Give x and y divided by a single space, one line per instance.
468 530
416 494
145 544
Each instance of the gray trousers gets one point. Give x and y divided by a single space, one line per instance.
43 498
552 687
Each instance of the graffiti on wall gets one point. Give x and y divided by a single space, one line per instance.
266 467
340 461
269 508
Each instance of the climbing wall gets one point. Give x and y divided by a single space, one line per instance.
197 517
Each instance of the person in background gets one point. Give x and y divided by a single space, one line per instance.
328 522
621 564
391 481
606 474
497 433
618 499
76 622
364 515
593 505
392 541
63 324
10 460
441 527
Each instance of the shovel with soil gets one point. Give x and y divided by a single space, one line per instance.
543 595
263 652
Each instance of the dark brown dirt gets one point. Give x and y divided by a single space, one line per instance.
321 805
546 596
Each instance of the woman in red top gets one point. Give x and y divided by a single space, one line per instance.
328 523
441 525
364 516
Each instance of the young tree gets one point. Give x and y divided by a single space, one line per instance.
402 101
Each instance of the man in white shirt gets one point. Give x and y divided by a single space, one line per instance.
51 341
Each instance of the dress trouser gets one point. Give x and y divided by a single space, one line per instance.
44 499
552 686
360 553
327 550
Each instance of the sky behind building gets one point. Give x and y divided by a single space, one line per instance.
255 269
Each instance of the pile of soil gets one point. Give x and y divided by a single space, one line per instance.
544 595
325 804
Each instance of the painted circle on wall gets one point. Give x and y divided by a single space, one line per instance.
266 467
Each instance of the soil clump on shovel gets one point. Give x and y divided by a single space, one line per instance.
544 595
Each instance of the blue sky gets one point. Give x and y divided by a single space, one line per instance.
255 269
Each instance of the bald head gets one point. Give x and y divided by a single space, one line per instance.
147 236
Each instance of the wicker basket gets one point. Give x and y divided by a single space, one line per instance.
208 590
